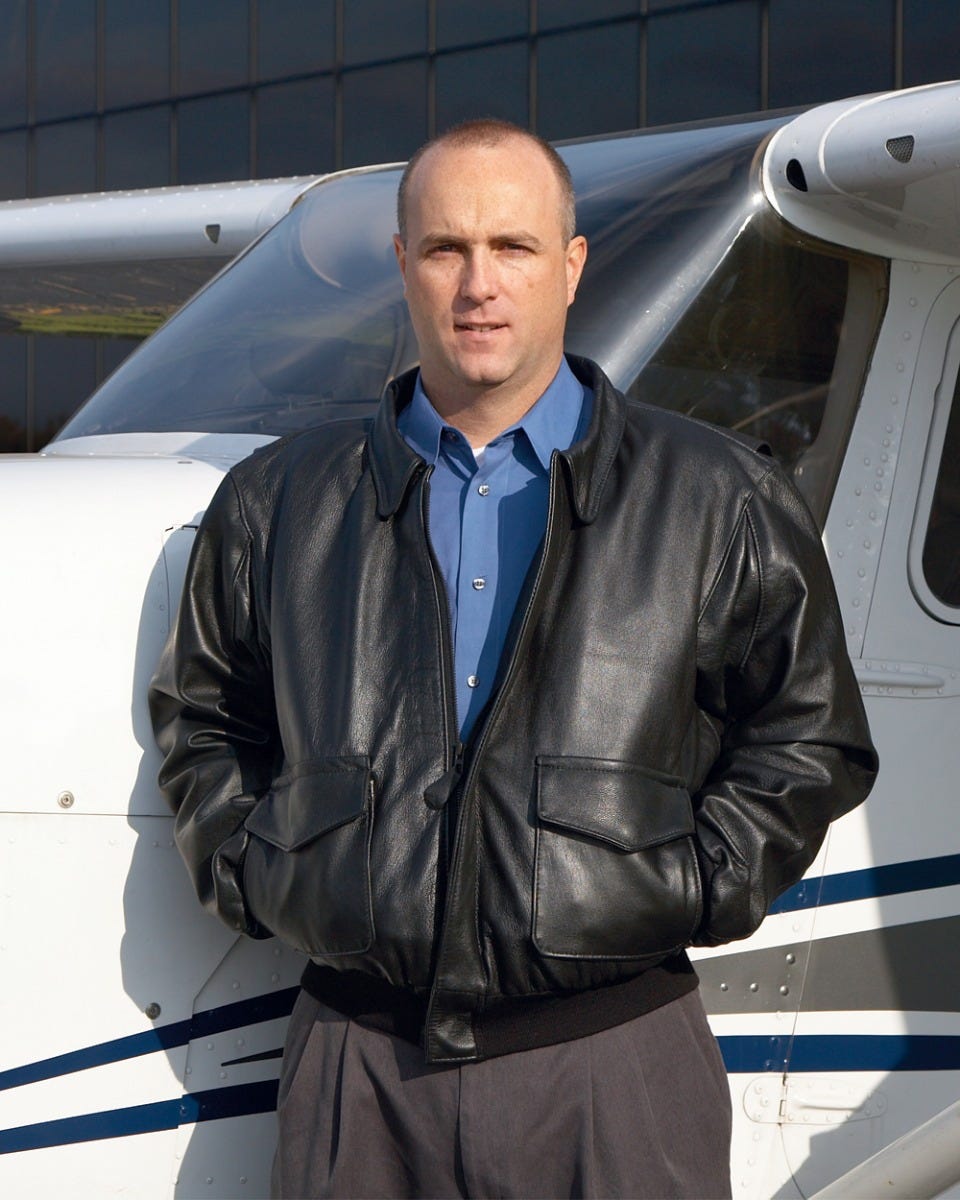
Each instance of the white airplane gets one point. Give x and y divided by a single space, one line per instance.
791 277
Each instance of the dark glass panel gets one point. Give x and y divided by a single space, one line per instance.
704 63
827 49
65 374
931 41
66 57
13 166
295 37
136 51
384 113
214 139
13 394
941 549
213 44
382 29
464 87
13 63
571 100
295 133
136 148
460 22
66 158
756 349
551 14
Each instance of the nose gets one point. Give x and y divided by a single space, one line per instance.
479 279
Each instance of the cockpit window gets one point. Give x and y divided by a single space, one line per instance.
774 347
756 366
311 322
694 297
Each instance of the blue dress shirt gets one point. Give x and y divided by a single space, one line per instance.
488 513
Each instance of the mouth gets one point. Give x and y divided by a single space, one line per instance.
478 326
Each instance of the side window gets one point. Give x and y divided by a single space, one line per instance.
941 547
775 347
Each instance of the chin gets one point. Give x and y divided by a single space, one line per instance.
486 373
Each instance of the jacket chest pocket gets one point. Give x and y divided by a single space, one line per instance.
306 871
616 873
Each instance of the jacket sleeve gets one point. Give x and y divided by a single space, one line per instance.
213 713
775 678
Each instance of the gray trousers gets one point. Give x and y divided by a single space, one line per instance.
641 1110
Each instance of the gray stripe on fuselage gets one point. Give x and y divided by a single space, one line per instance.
915 967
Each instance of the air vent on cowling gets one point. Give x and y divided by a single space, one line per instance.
900 148
795 175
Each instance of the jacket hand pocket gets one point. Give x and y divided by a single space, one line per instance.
616 873
306 870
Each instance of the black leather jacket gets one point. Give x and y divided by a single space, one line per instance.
675 724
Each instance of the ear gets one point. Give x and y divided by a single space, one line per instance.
400 251
576 257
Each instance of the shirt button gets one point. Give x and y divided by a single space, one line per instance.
479 584
472 681
484 489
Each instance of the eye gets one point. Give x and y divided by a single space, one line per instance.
515 250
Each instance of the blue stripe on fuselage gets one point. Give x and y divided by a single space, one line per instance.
748 1054
919 875
840 1052
239 1101
267 1007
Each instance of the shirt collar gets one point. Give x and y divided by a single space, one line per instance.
551 424
421 425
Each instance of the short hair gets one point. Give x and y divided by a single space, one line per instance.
491 131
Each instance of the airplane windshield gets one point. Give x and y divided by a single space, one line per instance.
679 303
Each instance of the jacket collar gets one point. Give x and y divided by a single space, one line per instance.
394 464
589 460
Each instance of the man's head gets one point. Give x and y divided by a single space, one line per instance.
490 264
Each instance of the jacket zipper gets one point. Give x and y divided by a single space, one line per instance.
499 700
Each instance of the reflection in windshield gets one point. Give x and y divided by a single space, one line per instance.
686 275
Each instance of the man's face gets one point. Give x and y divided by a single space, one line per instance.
487 272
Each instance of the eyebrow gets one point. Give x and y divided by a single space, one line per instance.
498 239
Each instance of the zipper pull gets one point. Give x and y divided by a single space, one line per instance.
440 791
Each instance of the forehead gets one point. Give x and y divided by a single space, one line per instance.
505 182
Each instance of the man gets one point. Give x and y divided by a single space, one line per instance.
492 707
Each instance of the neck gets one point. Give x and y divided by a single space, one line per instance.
482 414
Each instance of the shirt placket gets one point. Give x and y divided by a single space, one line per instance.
478 578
